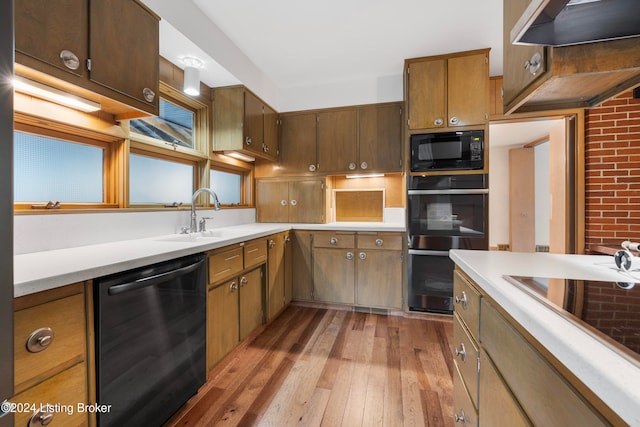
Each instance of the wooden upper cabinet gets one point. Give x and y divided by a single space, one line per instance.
380 138
448 91
108 51
337 141
243 122
47 32
295 200
298 143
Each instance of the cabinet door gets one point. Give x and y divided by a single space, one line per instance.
334 275
124 49
270 133
298 143
306 201
222 321
380 140
276 275
288 267
272 201
253 123
251 307
302 278
379 278
516 76
44 29
468 90
427 94
337 141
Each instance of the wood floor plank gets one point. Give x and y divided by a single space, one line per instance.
324 367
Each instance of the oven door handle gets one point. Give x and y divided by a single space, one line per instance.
449 191
428 253
153 280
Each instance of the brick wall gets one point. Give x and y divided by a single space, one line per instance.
612 172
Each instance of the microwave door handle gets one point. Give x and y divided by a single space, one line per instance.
429 253
451 191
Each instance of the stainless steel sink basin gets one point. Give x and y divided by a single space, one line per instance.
202 236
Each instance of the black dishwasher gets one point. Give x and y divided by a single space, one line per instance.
150 341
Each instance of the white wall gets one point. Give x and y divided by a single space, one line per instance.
542 199
36 233
499 194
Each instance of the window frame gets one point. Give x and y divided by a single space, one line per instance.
222 163
110 193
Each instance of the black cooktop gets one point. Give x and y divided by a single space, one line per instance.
608 310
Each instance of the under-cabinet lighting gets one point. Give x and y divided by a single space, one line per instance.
371 175
240 156
49 93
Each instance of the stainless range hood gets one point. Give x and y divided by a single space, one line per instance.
568 22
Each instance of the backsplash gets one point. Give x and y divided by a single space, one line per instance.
612 156
36 233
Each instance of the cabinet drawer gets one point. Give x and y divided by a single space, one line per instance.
66 319
465 357
255 253
382 241
65 390
545 395
463 410
334 240
467 303
225 264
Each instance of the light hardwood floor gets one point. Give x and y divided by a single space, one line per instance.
325 367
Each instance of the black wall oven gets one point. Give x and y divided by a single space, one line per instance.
444 212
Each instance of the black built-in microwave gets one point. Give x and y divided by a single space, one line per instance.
463 150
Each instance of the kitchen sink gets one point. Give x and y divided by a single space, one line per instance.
202 236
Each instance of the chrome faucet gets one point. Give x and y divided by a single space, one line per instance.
194 220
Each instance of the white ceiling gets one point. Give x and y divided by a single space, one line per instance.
296 44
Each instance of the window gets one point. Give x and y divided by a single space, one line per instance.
227 185
51 166
156 180
174 126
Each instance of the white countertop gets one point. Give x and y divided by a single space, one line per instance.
614 378
40 271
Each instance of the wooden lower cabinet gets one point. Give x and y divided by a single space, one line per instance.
301 265
334 275
379 282
278 274
464 413
250 301
50 357
222 321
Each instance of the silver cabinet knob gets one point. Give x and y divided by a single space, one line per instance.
233 286
69 59
272 243
461 352
349 256
534 64
312 168
247 140
462 300
287 239
460 418
39 340
41 418
243 281
352 166
333 241
283 202
438 122
453 120
362 256
148 94
364 165
379 242
294 202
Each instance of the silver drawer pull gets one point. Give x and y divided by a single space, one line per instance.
462 352
233 287
462 300
148 94
379 242
39 340
362 255
41 418
333 241
349 256
243 281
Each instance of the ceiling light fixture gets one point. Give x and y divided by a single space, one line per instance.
49 93
191 75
